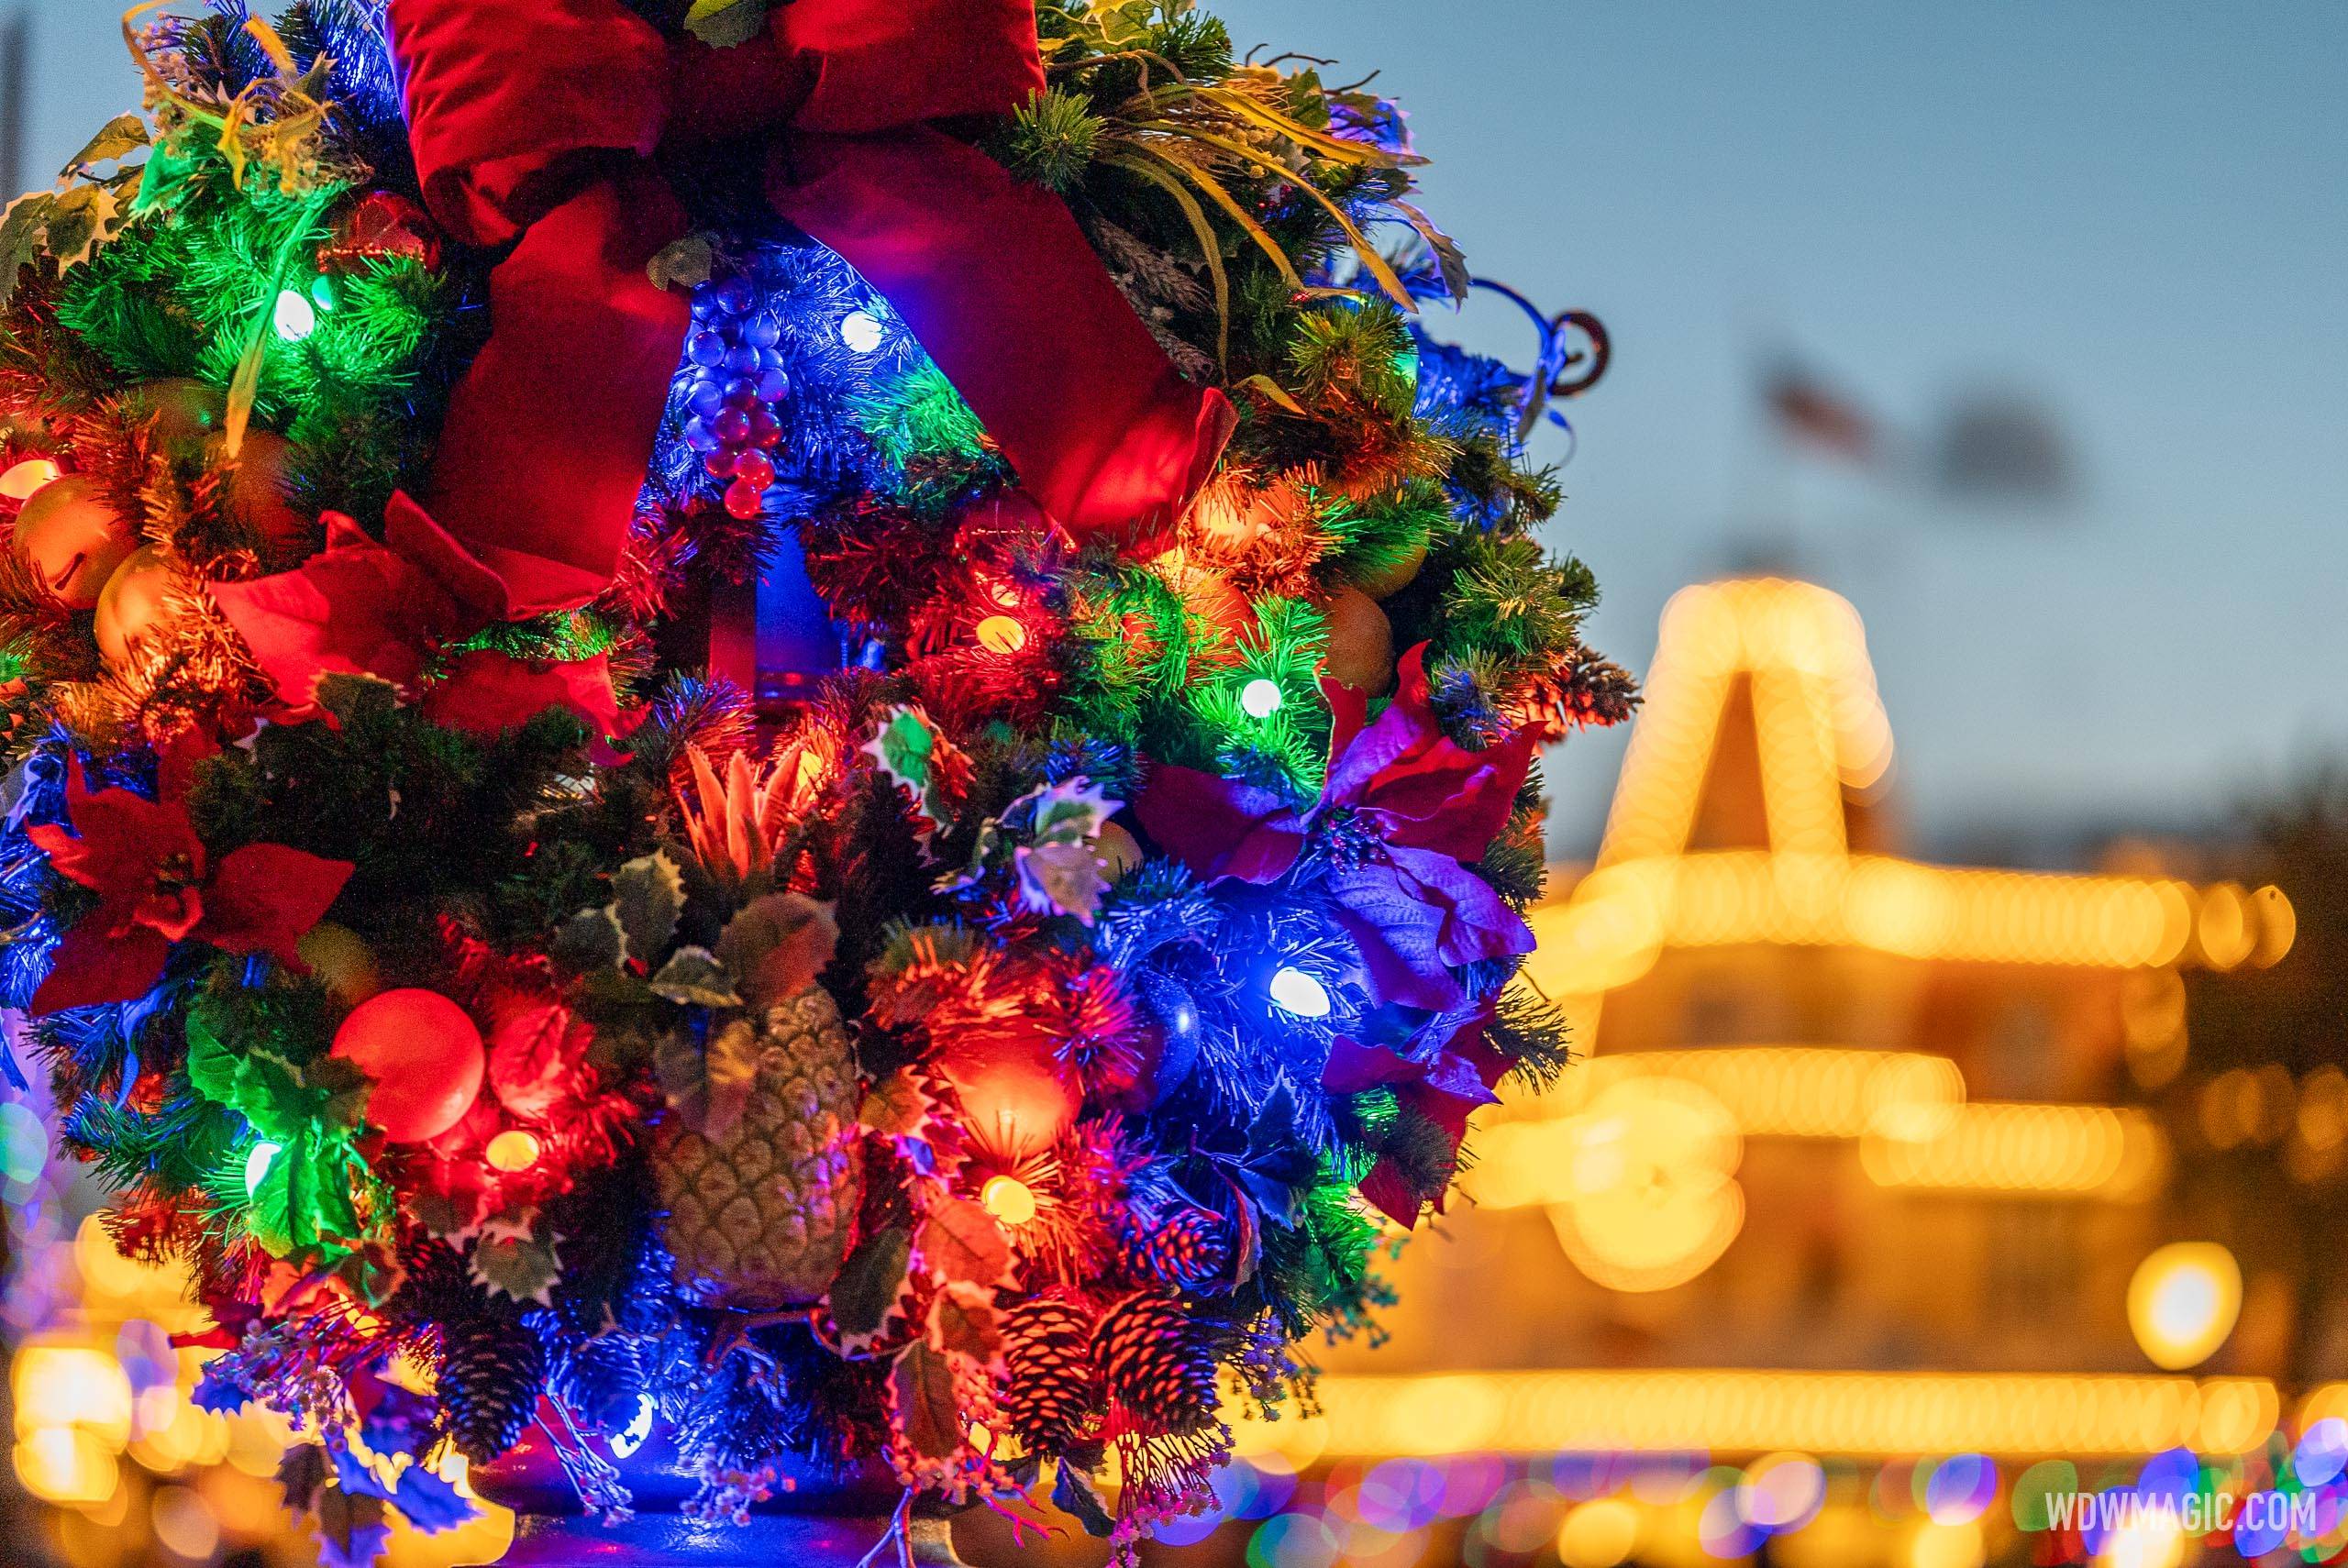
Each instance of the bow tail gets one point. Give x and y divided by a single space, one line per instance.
1001 287
543 454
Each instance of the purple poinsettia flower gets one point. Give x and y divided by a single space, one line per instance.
1405 812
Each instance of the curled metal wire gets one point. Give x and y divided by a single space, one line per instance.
1575 352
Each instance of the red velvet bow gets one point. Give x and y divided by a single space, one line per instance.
530 121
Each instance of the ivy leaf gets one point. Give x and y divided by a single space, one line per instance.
963 1321
121 136
869 1284
1072 1493
921 1394
960 1241
512 1261
694 975
648 895
302 1202
351 1531
683 263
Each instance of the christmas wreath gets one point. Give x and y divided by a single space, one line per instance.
989 1055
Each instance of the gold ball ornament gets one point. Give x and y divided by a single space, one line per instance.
70 534
1119 850
1399 575
134 599
342 961
186 412
1211 601
1361 642
259 496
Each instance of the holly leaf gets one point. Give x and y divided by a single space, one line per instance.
123 135
588 941
1063 878
1073 811
452 1210
920 1398
1448 258
351 1531
960 1241
722 24
897 1107
777 946
963 1321
1073 1494
693 976
869 1284
82 217
302 1201
430 1503
21 227
647 896
917 757
302 1472
709 1086
512 1261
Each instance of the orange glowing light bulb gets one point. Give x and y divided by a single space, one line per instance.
512 1150
1001 635
1009 1199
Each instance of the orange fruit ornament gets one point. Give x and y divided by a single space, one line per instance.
425 1057
1361 642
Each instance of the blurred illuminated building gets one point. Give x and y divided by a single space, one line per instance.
1842 1176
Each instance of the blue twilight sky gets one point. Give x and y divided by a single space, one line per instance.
2136 213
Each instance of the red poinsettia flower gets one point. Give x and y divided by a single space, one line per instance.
1443 1078
1406 808
157 886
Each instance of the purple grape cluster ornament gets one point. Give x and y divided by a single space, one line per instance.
737 379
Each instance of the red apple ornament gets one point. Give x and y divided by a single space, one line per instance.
424 1053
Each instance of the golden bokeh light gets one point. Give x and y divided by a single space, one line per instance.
2183 1302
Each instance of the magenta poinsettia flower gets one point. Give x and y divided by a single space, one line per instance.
1405 809
157 887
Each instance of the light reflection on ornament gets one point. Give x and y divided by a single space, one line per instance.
296 317
1001 635
19 482
1260 698
1009 1199
257 1165
631 1438
861 331
1294 992
512 1150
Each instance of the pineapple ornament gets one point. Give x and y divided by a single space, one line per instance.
756 1160
761 1186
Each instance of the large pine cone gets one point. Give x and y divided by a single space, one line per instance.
759 1217
491 1370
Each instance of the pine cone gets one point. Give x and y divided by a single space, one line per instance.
603 1382
1157 1366
491 1370
1189 1247
1049 1389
